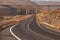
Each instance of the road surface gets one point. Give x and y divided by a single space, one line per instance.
35 28
23 33
6 35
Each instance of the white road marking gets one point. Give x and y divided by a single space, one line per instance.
27 25
13 33
37 33
45 29
41 27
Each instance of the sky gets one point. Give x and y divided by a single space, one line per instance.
46 0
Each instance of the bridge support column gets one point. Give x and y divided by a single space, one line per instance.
36 10
17 11
26 12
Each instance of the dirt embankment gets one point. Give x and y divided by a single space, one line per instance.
51 18
14 20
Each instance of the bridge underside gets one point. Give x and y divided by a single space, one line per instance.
24 9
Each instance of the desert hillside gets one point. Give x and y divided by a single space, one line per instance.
50 17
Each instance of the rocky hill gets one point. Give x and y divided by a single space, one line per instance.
51 17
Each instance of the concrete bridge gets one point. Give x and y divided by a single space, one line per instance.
25 9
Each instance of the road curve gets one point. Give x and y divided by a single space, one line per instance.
22 32
38 30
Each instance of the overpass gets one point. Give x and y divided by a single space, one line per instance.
27 6
20 6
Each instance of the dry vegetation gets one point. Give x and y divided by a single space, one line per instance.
7 23
51 18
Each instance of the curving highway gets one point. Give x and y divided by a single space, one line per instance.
42 31
29 30
21 31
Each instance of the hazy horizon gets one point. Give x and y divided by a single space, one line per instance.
47 0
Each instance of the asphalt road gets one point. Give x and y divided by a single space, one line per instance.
23 33
38 30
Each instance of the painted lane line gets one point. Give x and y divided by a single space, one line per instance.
37 33
46 28
13 33
41 27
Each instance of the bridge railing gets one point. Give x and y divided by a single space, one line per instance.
48 7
